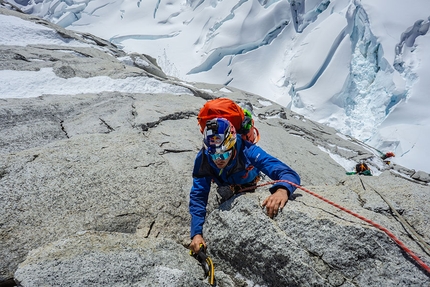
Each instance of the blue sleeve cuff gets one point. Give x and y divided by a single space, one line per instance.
287 186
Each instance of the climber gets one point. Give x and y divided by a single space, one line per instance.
388 155
230 161
362 169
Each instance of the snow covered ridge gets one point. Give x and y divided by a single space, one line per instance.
344 63
21 83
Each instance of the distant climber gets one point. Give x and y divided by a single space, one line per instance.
387 155
230 161
362 169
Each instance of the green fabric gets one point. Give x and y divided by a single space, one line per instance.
248 122
366 172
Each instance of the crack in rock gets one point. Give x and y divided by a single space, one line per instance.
20 57
326 270
64 129
149 164
164 151
334 215
149 229
110 129
174 116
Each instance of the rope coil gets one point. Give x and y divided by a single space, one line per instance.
380 227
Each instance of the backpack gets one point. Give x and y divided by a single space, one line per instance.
228 109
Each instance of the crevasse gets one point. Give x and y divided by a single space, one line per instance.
369 87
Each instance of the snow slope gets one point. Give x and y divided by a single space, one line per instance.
359 66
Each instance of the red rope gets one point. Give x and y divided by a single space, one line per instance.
391 235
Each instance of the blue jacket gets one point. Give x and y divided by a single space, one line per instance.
249 160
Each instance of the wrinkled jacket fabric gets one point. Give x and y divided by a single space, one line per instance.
248 162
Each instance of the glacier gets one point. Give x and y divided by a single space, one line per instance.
358 66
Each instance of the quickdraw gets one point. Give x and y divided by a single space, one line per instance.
206 263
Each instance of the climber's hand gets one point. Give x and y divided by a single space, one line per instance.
275 202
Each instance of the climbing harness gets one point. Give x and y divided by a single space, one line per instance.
250 187
206 263
380 227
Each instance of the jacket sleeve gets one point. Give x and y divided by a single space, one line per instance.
198 200
273 168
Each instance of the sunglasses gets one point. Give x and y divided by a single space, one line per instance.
222 156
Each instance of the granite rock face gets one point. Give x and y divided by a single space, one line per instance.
314 244
109 259
94 188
